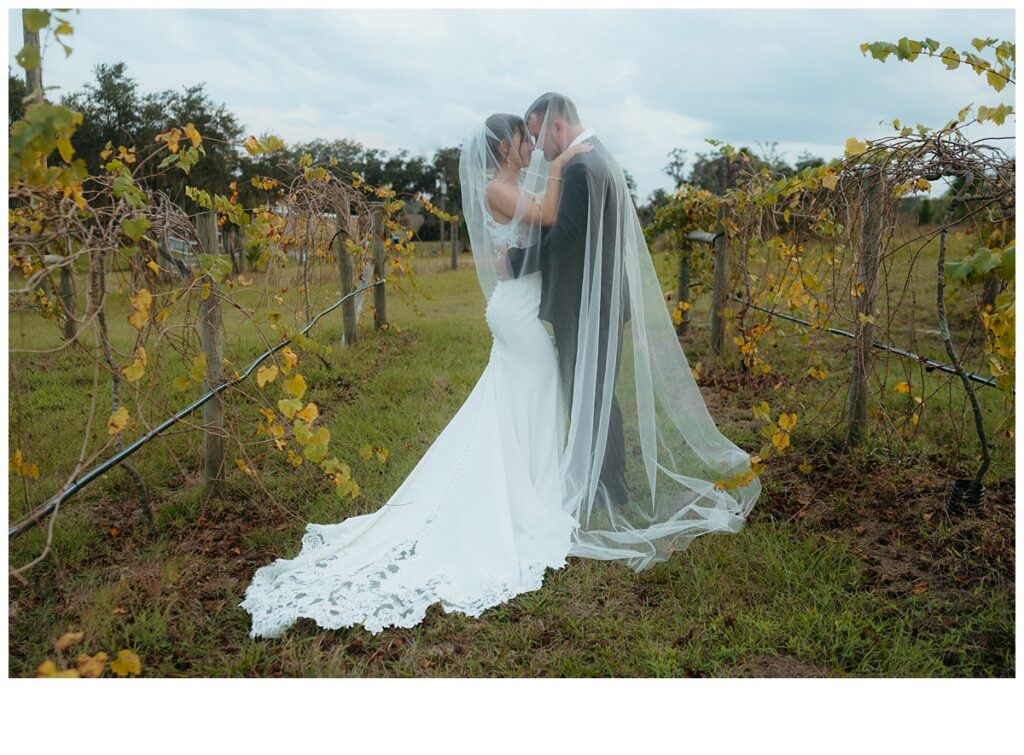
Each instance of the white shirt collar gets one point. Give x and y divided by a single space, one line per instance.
582 137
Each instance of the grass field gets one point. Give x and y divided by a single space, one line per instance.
851 570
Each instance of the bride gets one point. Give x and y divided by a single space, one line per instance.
480 517
598 445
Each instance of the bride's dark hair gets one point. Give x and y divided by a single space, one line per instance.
500 128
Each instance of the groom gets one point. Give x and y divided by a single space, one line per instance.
561 255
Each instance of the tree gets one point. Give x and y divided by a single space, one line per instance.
676 166
16 93
631 185
114 111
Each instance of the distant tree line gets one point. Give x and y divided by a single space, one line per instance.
714 172
115 110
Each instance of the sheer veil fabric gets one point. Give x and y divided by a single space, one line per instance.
590 440
642 452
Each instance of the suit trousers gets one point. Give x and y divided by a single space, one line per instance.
613 468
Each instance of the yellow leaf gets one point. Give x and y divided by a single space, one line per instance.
309 414
854 147
780 440
137 368
296 386
126 663
268 413
199 367
864 319
153 266
294 459
805 468
67 640
366 452
182 382
91 666
915 419
142 300
118 421
245 468
830 181
162 314
191 133
787 421
266 374
902 388
138 319
171 136
290 359
49 670
382 455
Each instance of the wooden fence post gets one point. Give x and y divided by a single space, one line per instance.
380 318
720 285
873 212
454 232
211 335
342 218
67 295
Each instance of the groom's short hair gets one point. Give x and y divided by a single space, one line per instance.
554 105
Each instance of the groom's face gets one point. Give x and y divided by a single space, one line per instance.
550 141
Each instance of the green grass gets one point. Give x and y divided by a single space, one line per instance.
825 580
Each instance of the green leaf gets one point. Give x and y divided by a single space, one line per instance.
1006 269
881 50
951 58
978 44
35 19
135 228
995 81
28 58
171 158
932 44
217 266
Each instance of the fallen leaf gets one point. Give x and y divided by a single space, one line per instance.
919 588
91 666
126 663
49 670
67 640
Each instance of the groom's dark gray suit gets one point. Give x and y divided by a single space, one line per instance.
560 256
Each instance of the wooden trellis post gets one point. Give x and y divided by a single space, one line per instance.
342 218
211 335
720 285
873 211
380 318
455 243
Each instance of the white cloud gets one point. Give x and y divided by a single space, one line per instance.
647 81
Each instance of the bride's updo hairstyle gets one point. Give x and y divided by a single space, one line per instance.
500 129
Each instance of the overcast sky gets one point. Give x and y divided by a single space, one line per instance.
645 81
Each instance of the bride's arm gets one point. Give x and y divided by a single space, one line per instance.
507 199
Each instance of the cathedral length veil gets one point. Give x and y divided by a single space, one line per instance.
642 452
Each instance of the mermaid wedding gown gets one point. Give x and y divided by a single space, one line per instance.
475 523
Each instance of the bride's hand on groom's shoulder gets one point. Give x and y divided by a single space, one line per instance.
570 153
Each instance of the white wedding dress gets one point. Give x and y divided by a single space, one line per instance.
475 523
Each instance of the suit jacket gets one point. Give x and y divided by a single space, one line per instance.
561 253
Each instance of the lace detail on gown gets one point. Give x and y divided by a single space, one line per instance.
477 522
